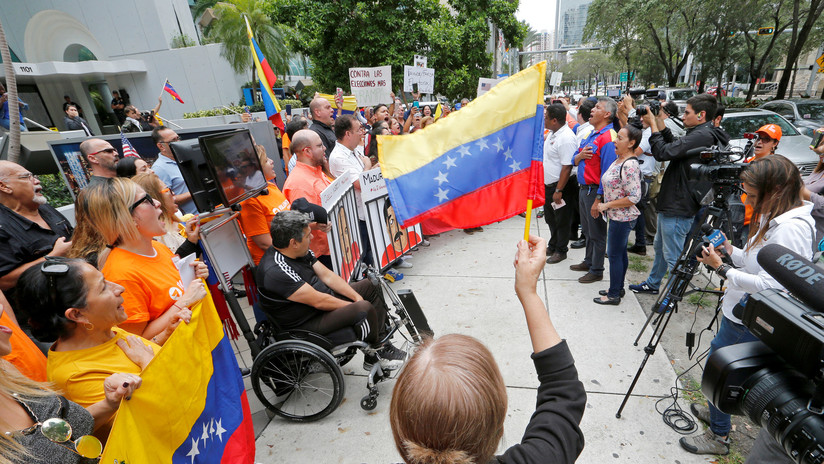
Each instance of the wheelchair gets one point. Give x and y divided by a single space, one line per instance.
298 375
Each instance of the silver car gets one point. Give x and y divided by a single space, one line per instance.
793 145
805 113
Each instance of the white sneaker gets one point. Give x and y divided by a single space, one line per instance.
403 264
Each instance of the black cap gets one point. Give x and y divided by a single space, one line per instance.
315 212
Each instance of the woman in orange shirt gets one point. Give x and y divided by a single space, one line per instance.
127 219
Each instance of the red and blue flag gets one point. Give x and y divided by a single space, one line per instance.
267 79
168 88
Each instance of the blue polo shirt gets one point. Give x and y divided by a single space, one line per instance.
169 172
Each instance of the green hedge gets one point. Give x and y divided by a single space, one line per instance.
55 190
239 108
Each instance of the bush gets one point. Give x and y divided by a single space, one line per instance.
55 190
182 41
239 108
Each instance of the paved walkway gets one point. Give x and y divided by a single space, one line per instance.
465 284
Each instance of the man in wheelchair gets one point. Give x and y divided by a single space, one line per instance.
298 292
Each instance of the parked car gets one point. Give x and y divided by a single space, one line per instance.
806 114
714 91
794 145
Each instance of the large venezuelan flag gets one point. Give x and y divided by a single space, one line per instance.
478 166
267 79
350 103
192 407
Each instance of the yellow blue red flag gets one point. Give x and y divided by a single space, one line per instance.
350 103
267 79
479 165
192 406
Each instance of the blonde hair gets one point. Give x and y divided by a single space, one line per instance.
12 381
449 403
106 205
153 186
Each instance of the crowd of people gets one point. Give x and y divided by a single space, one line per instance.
107 294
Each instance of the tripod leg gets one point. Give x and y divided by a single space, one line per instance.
649 318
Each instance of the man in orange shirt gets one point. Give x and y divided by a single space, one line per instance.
307 180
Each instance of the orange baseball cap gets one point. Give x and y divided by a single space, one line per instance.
772 131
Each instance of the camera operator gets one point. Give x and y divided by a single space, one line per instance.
773 185
679 198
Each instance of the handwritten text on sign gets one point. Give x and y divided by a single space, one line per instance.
424 77
371 85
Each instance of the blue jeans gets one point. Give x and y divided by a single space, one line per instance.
730 333
617 236
669 241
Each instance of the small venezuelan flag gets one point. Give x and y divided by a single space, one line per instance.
267 79
192 407
168 87
476 167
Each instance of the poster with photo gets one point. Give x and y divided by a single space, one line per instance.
389 240
344 239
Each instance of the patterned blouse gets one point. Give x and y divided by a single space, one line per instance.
618 185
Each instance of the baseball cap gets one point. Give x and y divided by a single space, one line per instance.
772 131
315 212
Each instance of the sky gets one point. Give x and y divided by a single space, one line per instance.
540 14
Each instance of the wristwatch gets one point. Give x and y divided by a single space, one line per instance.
599 197
559 191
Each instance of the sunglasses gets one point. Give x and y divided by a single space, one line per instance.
53 269
105 150
59 431
176 139
144 199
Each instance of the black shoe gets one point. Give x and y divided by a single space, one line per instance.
621 294
580 243
388 356
608 301
638 250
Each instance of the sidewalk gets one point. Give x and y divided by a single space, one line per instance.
465 285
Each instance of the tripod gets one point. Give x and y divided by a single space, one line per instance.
679 281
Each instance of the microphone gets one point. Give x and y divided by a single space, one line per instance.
712 239
796 273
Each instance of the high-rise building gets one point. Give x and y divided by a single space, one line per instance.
544 41
571 17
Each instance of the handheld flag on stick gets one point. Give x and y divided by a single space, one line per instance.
128 149
438 112
476 167
197 417
168 88
267 79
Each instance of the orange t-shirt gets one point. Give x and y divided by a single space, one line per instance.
25 355
307 182
256 215
152 283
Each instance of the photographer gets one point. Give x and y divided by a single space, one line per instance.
773 185
679 198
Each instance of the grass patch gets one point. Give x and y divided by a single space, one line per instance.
638 264
695 298
734 457
692 391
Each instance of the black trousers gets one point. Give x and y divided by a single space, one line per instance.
575 223
559 220
594 228
367 317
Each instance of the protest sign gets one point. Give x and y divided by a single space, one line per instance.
388 239
344 239
485 84
424 77
371 85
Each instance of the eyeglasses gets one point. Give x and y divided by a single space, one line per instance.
53 269
59 431
105 150
27 176
176 139
145 198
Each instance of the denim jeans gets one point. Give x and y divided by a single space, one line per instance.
669 241
729 333
617 236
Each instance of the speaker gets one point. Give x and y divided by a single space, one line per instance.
415 312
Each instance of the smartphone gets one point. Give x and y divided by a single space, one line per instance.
416 104
288 109
339 92
557 101
818 136
415 87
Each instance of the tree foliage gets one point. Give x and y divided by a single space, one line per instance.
229 29
364 33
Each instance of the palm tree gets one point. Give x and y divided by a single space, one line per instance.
230 30
14 109
532 36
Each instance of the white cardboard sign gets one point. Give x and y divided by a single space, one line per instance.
424 77
371 85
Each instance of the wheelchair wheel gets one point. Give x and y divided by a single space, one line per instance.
297 380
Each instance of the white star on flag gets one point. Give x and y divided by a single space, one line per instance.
441 195
450 162
220 430
508 153
212 426
499 144
516 166
464 150
441 178
205 434
194 451
482 143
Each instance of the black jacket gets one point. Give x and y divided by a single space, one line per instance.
553 434
679 196
327 135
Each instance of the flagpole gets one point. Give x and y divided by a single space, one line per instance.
528 218
162 89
